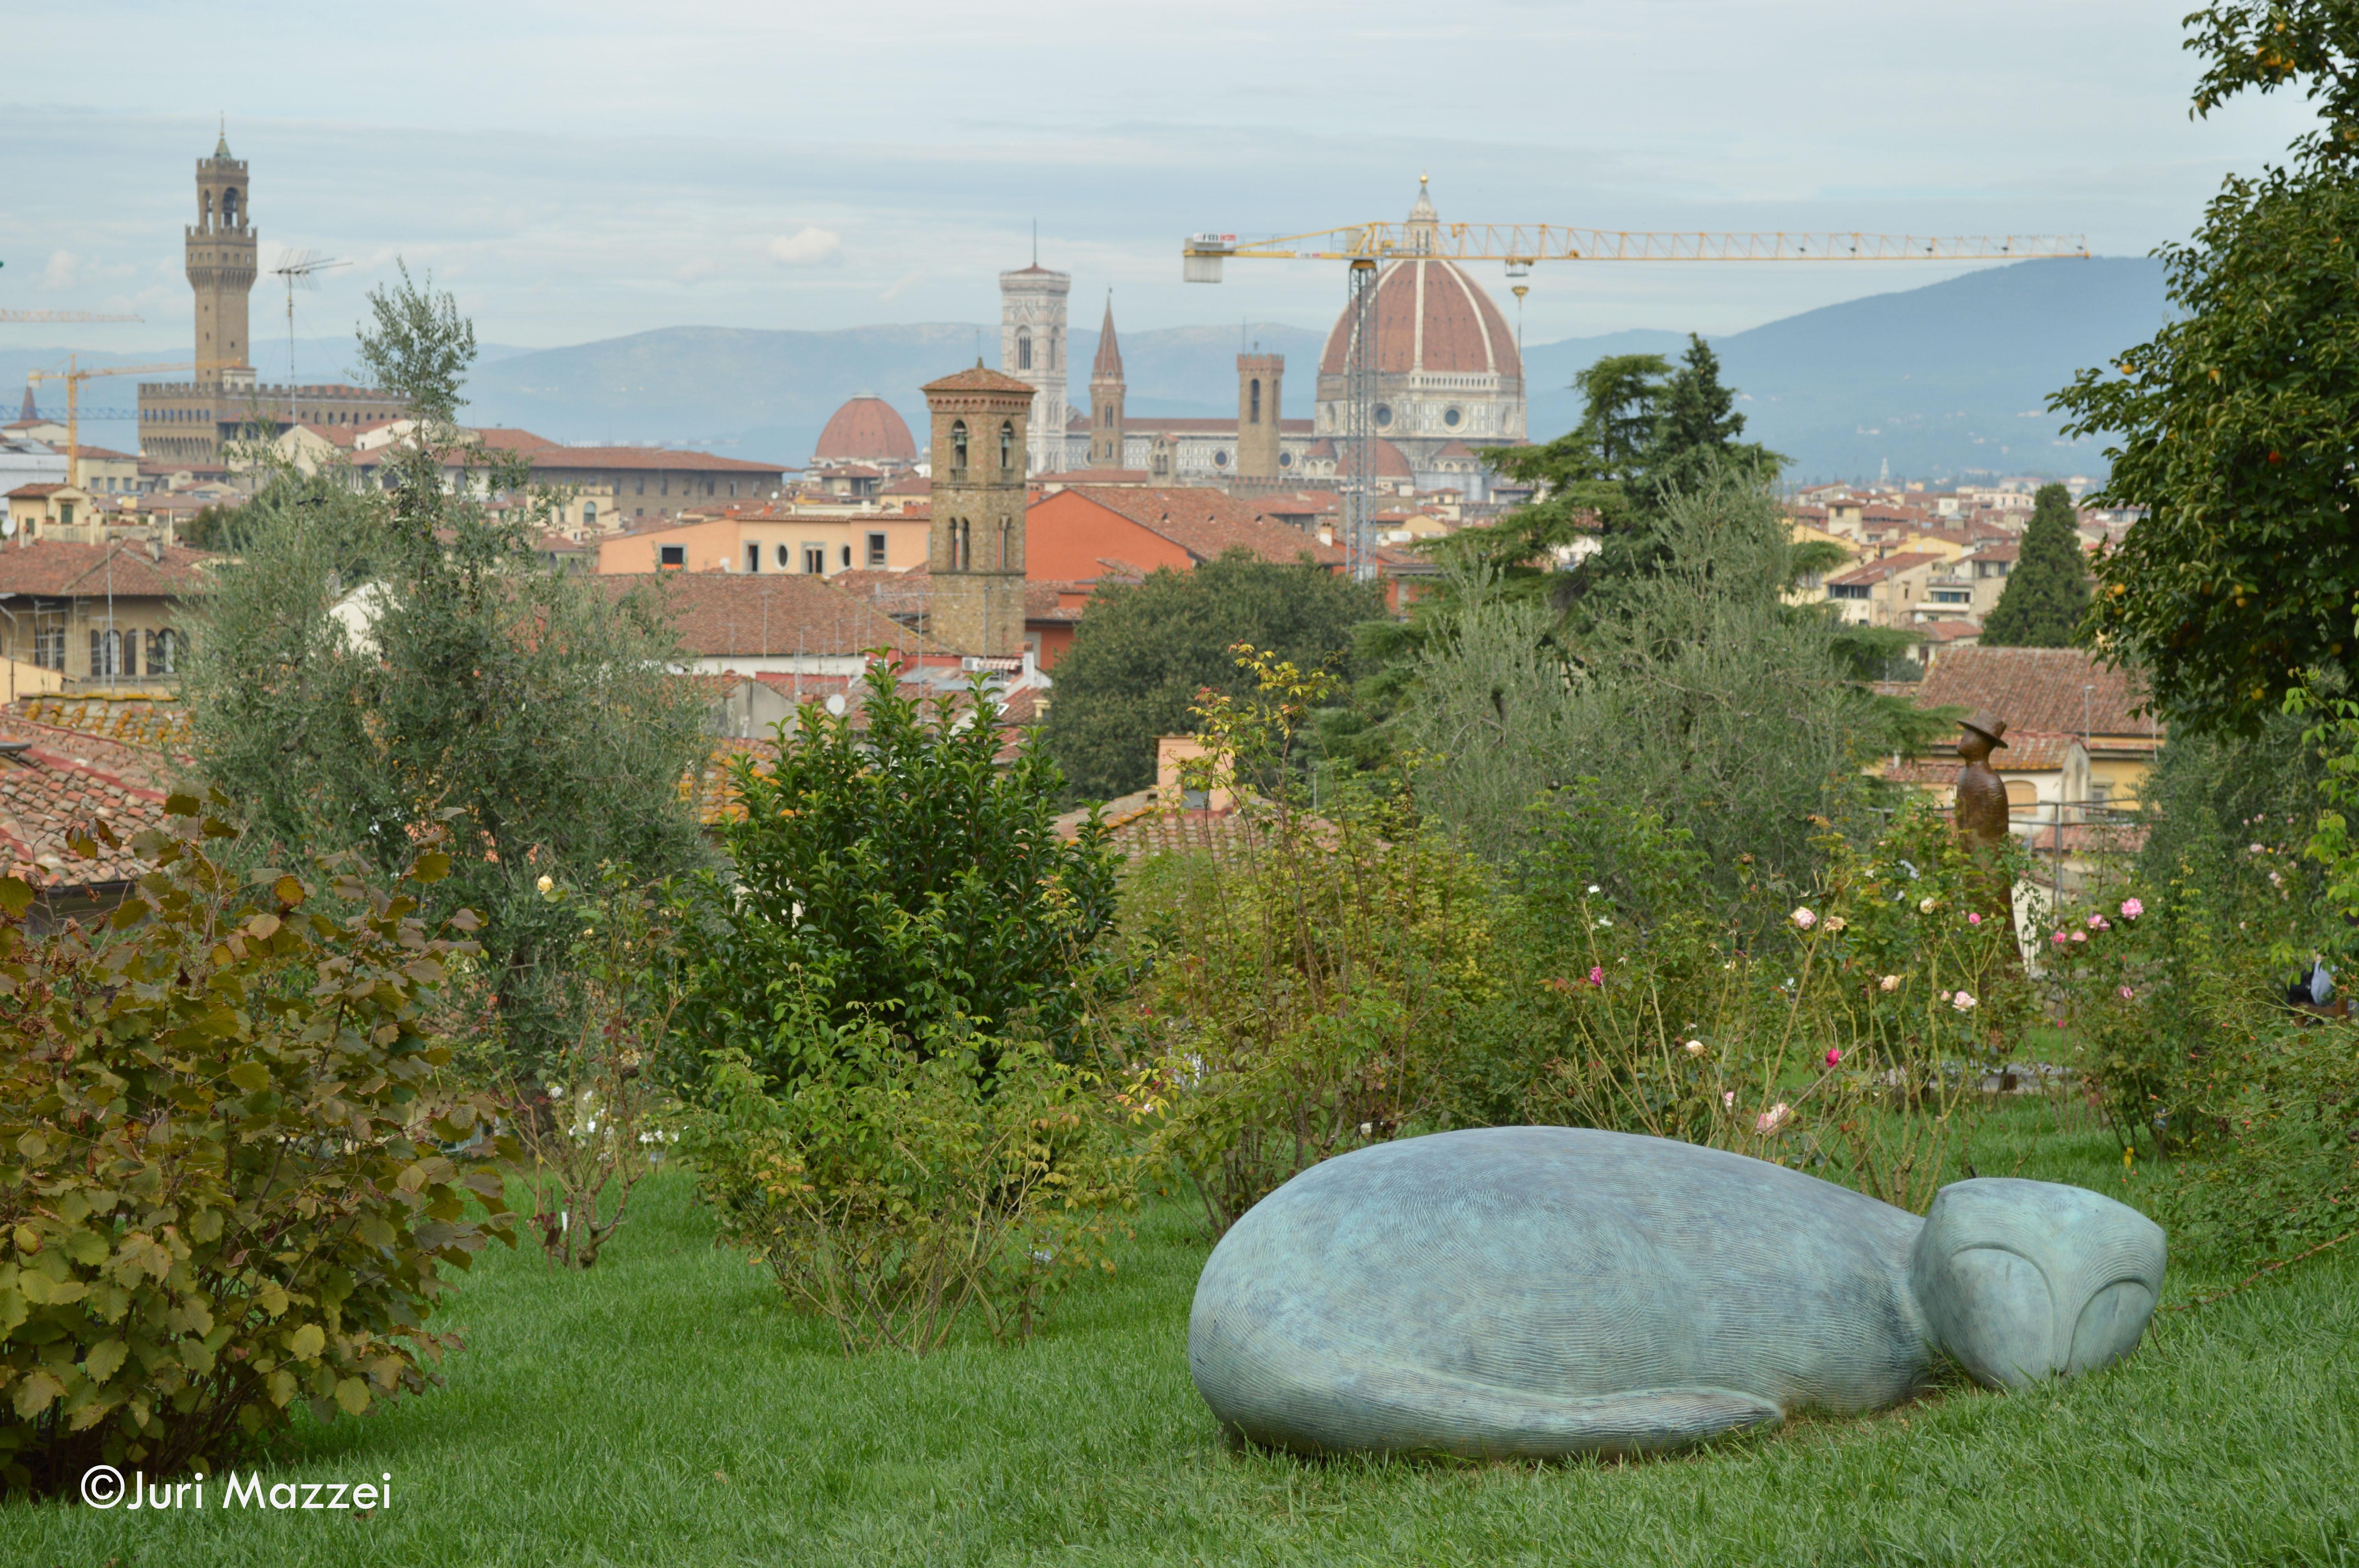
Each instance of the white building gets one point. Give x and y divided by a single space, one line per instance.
1032 350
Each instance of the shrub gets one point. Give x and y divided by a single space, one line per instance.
585 1125
1304 998
229 1177
904 1187
1853 1037
896 871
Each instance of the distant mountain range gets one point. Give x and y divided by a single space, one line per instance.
1945 381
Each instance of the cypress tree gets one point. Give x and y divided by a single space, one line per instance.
2047 592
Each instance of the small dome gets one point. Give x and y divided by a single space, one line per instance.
865 431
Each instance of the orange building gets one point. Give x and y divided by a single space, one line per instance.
771 540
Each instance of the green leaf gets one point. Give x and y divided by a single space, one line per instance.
182 806
104 1358
15 895
431 868
307 1342
250 1075
353 1395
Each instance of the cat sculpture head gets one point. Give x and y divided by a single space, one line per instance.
2021 1280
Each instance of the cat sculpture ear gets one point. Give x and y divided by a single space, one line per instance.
2021 1280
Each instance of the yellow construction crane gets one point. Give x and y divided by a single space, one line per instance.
1365 247
74 376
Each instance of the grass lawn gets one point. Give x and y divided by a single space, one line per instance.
665 1410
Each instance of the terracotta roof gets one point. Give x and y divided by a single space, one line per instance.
645 457
1455 449
1947 630
1207 523
978 379
47 796
103 452
52 568
910 484
1043 599
34 492
2038 689
506 439
1094 476
1886 570
1390 463
1431 317
865 428
722 615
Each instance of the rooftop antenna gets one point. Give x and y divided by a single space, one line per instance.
1036 242
300 270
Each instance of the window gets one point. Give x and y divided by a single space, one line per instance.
1023 348
786 558
815 559
1383 415
1451 417
875 549
50 647
229 207
958 446
589 514
732 487
1006 445
847 557
1254 390
643 485
673 555
1221 459
1004 562
753 557
163 651
105 652
1848 591
1286 460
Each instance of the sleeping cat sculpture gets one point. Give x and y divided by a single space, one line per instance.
1538 1291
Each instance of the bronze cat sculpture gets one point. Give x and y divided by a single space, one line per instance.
1543 1291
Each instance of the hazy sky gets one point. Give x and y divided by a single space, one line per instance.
588 169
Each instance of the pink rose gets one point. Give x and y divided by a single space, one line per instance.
2060 938
1596 974
1973 920
2080 936
2128 993
2132 909
1728 1100
1834 1055
1770 1120
2099 923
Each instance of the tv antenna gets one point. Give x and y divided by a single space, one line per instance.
301 270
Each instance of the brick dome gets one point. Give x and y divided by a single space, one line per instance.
1430 318
865 431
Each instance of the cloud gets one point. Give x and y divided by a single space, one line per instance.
808 247
901 286
63 271
697 269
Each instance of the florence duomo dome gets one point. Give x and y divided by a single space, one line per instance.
1447 365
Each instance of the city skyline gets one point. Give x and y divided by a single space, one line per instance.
597 192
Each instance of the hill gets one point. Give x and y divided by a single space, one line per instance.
1946 380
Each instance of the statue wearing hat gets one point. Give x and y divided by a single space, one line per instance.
1982 803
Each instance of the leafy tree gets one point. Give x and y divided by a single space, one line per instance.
2047 592
2234 420
1698 694
382 661
1143 655
888 872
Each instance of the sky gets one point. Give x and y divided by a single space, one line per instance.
594 169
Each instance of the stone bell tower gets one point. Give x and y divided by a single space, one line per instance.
1032 350
975 553
221 266
1258 376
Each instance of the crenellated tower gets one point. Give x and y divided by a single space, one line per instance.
221 266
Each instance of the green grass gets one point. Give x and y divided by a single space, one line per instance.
665 1410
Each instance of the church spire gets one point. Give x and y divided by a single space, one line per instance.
1424 222
1109 359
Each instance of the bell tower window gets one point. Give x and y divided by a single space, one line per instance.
1006 445
1023 348
958 445
1255 397
229 207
